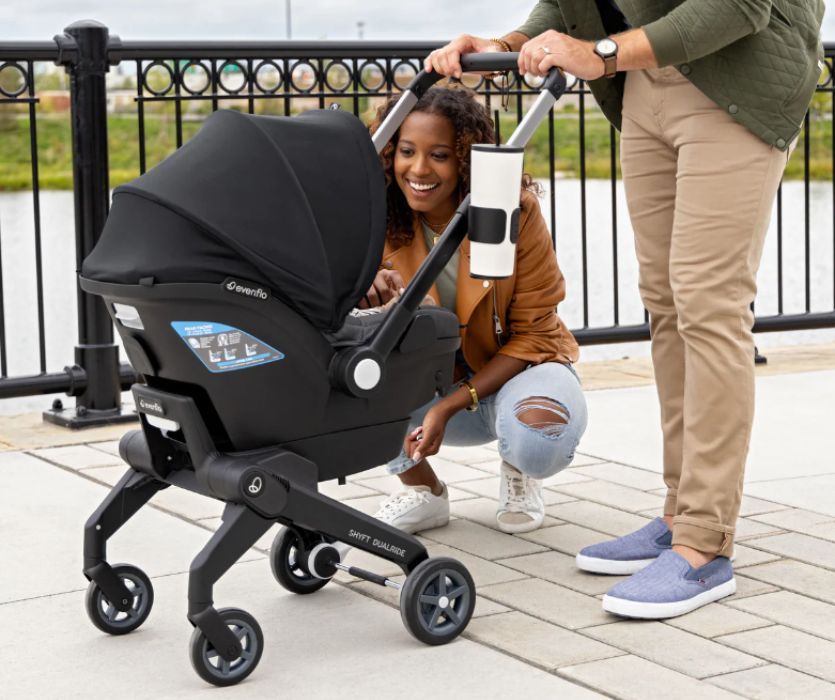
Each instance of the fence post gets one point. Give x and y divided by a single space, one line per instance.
96 353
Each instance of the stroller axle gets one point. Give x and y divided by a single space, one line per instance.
369 576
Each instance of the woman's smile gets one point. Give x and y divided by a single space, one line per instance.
426 166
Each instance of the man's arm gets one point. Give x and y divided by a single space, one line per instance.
694 29
577 57
697 28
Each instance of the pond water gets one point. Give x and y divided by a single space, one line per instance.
60 296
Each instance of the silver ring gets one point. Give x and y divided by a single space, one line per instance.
545 49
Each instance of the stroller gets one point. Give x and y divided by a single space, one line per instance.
229 270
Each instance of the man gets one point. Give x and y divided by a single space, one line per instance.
710 96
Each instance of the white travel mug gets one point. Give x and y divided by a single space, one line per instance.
495 185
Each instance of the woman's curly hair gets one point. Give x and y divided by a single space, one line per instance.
472 124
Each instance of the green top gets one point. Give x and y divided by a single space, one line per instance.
758 59
447 281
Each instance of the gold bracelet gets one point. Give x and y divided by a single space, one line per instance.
473 395
502 44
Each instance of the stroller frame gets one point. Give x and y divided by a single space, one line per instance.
269 485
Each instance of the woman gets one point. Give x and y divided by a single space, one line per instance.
516 384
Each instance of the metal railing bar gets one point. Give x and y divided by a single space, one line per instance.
780 248
614 185
320 80
4 369
30 50
583 212
140 114
215 82
19 100
250 87
286 87
189 50
36 206
178 104
807 213
301 95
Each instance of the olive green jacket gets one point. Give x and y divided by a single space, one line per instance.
759 59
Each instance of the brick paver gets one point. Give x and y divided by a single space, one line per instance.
774 638
673 648
782 645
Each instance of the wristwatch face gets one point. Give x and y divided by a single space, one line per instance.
606 47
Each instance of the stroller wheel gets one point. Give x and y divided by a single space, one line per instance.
211 666
104 615
286 561
437 600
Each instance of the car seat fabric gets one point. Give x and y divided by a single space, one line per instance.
293 203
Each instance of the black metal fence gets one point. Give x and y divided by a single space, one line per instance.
171 86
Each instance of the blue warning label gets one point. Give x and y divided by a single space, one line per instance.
222 348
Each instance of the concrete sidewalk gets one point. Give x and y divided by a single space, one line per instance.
538 629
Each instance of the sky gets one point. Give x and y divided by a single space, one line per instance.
262 19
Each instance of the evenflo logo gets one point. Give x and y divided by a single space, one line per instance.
151 406
244 288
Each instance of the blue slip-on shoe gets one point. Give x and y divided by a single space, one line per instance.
670 587
629 553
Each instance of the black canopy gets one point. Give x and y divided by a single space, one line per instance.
294 203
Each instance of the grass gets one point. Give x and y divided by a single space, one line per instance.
55 164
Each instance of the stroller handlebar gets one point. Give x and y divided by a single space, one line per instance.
346 365
550 90
487 63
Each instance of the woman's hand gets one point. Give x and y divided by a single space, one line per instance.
386 286
551 48
426 440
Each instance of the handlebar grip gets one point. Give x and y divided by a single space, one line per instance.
488 62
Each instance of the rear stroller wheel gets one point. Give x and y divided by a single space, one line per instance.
211 666
104 615
437 600
286 555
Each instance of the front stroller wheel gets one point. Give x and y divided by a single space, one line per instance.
286 561
104 615
211 666
437 600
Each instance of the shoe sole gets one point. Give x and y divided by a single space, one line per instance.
517 528
661 611
612 567
439 521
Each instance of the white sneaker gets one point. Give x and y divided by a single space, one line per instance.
414 509
521 508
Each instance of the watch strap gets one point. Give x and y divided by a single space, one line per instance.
610 66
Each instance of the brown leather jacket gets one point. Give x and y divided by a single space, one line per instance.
525 303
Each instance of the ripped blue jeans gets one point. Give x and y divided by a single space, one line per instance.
538 450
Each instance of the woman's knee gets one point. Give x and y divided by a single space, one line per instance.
543 438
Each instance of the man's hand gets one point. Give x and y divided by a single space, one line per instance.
447 59
551 49
426 440
386 286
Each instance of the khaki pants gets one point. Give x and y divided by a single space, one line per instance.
700 189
